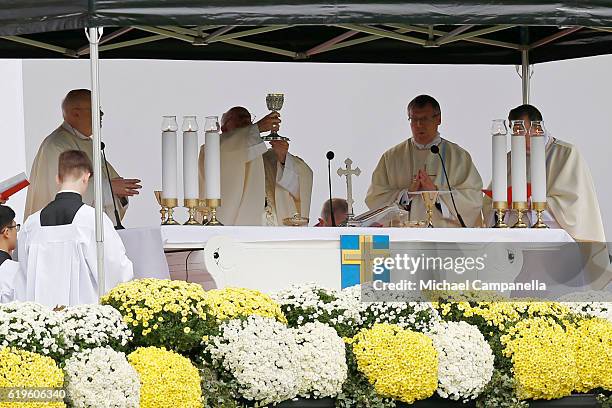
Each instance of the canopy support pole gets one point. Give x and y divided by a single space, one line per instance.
525 75
93 35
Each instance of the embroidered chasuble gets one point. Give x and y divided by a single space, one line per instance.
43 186
399 166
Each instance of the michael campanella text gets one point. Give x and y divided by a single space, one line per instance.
476 284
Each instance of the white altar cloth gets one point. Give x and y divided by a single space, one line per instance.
272 258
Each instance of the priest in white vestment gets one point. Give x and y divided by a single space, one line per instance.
571 199
57 245
259 186
410 167
75 133
9 269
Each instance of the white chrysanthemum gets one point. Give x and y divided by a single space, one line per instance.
90 326
32 327
322 361
262 355
317 303
592 303
101 378
465 360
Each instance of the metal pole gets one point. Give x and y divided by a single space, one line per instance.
94 34
525 74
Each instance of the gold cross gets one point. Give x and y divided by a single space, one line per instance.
364 256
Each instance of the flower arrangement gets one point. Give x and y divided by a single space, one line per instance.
165 313
230 303
322 361
593 341
543 358
32 327
310 302
591 303
465 363
400 363
262 357
101 376
167 379
24 369
91 326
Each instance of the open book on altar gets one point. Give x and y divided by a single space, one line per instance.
13 185
380 217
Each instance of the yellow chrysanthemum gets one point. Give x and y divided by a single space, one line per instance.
23 369
593 340
401 364
229 303
167 379
543 358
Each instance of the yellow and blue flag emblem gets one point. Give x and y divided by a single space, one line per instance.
358 253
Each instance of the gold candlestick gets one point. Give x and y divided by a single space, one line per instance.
170 204
203 211
192 205
521 208
539 207
500 209
212 204
163 210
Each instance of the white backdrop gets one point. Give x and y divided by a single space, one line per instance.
356 110
12 152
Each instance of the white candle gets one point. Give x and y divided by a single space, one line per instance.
519 169
537 161
212 165
190 165
500 169
169 165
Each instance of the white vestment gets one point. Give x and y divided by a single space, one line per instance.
399 166
59 263
43 185
243 181
8 280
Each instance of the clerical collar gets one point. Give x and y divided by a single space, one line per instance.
419 146
74 132
69 191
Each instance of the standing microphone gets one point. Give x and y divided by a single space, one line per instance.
436 150
330 155
119 226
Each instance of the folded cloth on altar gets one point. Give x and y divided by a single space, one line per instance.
59 263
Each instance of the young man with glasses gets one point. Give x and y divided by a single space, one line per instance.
411 167
8 242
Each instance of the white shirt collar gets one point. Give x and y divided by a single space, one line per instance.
69 191
419 146
74 132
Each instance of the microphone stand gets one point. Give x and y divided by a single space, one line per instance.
119 226
331 206
436 150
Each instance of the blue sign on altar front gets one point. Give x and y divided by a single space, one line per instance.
357 258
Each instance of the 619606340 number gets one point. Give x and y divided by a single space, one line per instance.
34 394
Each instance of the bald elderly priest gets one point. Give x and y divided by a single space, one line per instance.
410 167
74 133
259 186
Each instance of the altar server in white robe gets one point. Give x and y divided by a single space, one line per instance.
259 186
8 242
571 199
57 245
411 167
74 134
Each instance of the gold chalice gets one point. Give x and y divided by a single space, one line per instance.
275 101
164 210
429 198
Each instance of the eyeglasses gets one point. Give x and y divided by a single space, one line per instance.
16 226
424 120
